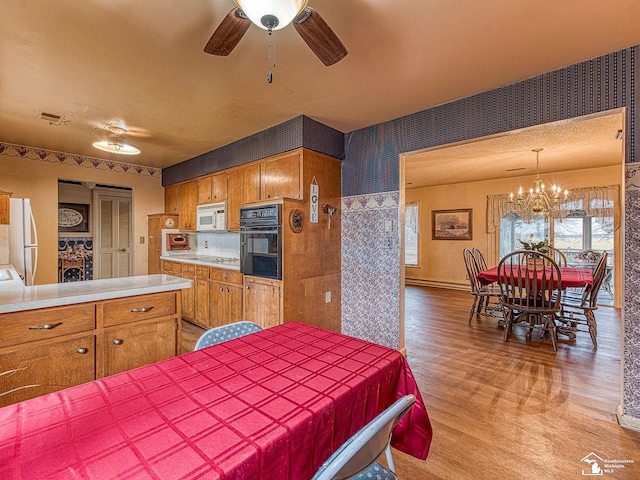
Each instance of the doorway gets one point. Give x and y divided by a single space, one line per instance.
96 234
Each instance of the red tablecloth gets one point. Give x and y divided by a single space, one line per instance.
572 277
271 405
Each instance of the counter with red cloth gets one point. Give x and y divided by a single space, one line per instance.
271 405
571 277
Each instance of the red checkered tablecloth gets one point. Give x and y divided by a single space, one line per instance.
271 405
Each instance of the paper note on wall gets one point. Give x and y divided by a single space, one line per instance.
313 204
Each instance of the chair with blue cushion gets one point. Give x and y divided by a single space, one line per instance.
357 457
226 332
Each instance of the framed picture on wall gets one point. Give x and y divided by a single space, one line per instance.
73 217
452 224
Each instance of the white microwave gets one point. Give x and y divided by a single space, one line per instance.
211 218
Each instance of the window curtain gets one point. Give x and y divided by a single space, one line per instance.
601 202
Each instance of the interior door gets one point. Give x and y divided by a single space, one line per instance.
113 243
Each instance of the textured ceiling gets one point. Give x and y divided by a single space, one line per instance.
588 142
141 64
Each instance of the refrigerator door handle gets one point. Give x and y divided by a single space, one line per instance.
33 241
35 264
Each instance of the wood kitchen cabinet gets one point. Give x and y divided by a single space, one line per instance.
235 192
251 182
281 176
48 349
136 331
187 200
132 346
226 296
157 222
5 200
202 297
171 199
37 369
184 270
212 188
262 301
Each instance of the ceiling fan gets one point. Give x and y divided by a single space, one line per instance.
274 15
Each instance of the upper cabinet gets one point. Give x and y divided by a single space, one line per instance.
4 207
187 193
281 177
212 188
171 199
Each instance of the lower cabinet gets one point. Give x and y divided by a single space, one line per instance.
226 303
263 301
132 346
45 350
30 371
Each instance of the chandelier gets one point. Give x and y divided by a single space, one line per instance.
537 198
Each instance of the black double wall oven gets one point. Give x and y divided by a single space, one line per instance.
261 241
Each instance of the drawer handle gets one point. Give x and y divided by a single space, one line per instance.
117 341
46 326
82 350
141 310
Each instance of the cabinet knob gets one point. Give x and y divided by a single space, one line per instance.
117 341
82 350
221 289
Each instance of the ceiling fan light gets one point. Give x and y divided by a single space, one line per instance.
116 147
260 12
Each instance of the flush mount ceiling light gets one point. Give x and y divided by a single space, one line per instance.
116 142
271 14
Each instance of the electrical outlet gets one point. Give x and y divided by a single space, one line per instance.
327 297
206 244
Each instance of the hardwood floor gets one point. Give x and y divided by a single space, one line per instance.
512 410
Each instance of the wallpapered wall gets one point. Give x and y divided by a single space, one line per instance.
371 165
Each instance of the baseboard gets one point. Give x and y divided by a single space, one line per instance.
625 421
430 283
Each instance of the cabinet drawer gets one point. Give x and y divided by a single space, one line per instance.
23 327
202 272
171 267
134 309
227 276
188 270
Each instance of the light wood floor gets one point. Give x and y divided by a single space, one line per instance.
512 410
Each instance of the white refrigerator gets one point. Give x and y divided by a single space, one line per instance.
23 239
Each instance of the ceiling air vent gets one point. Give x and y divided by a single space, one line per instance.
52 118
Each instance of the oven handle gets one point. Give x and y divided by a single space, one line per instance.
259 231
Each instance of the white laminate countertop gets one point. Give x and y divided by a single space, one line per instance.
15 297
208 260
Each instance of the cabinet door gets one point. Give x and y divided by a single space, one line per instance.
187 199
262 303
281 177
234 199
204 190
219 187
251 182
226 303
133 346
202 302
35 371
171 199
189 298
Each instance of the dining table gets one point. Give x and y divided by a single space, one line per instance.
274 404
571 277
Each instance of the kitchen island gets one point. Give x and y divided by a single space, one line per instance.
60 335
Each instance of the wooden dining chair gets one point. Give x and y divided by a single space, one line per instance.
579 311
531 292
558 256
485 297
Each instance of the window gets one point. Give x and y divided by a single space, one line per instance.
411 234
513 229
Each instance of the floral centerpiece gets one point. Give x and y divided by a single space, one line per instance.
75 253
589 256
541 246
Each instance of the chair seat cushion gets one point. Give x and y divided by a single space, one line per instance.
376 472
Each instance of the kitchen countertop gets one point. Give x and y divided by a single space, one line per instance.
208 260
15 297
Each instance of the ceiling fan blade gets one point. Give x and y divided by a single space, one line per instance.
319 36
228 33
